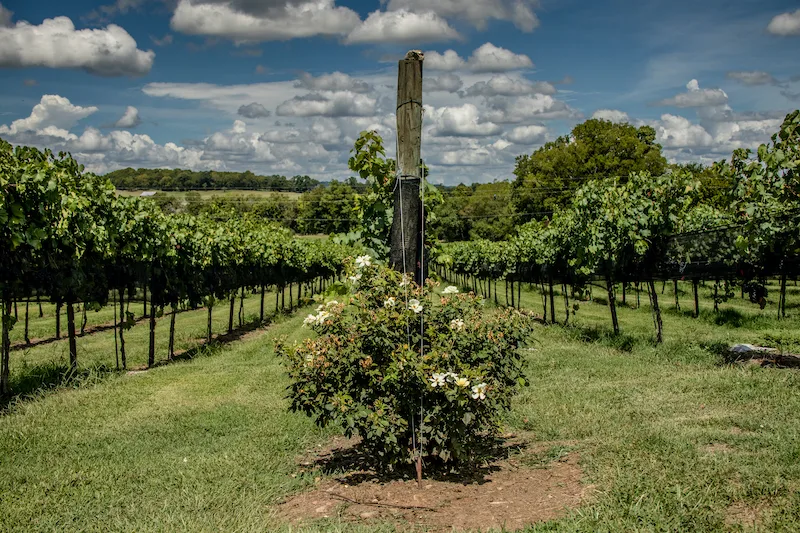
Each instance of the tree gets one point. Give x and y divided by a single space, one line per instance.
596 149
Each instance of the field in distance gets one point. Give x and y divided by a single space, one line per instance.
211 194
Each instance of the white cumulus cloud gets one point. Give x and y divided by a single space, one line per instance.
448 83
612 115
253 110
404 27
449 60
339 104
316 17
54 115
504 85
527 135
696 97
491 58
678 132
477 12
463 120
785 24
129 119
504 110
55 43
335 81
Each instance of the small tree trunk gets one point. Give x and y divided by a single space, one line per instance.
277 295
624 286
39 301
512 293
675 290
506 283
83 319
230 315
716 296
122 320
299 293
283 297
552 304
116 341
27 338
58 319
241 309
5 345
261 311
172 333
151 353
544 300
291 297
695 284
208 328
73 350
783 292
144 300
612 304
657 312
566 303
16 312
495 293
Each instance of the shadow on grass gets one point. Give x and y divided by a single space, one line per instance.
726 316
34 381
599 335
354 464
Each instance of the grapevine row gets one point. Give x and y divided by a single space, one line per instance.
66 234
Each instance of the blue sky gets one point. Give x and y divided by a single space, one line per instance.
284 86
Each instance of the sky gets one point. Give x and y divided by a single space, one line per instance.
286 86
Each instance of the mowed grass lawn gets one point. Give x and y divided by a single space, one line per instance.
671 437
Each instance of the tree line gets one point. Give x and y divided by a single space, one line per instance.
178 179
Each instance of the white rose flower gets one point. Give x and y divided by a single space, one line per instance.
390 302
438 380
310 319
331 304
414 305
479 391
452 289
462 382
355 278
320 318
457 324
363 261
405 281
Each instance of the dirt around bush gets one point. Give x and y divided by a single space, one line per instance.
528 483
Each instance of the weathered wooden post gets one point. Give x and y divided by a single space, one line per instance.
406 234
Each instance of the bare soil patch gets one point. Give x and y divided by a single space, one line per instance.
503 493
717 447
746 514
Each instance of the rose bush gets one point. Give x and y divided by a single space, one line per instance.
365 370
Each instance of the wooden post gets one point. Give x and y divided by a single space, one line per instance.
172 333
406 245
73 350
151 351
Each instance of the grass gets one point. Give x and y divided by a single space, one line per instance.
670 436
